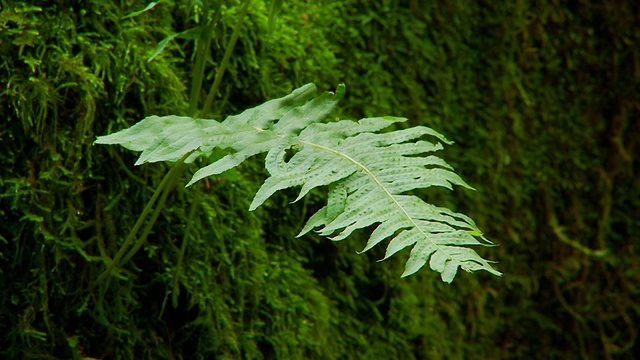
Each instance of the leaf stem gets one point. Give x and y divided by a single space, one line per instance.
225 61
202 52
183 248
167 180
173 175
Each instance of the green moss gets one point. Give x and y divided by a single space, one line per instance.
540 99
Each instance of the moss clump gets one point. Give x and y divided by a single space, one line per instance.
539 97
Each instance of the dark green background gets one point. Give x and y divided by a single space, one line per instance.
541 98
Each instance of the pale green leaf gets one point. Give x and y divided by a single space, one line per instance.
191 34
336 201
136 13
169 138
369 173
449 271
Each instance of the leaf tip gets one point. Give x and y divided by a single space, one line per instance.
340 91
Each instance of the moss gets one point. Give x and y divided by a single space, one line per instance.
539 97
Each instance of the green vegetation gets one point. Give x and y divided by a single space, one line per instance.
366 172
541 99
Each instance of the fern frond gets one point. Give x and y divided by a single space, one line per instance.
368 173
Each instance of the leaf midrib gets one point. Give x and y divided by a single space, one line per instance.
379 183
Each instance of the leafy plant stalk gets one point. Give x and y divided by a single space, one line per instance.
183 248
167 181
174 175
225 60
202 52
